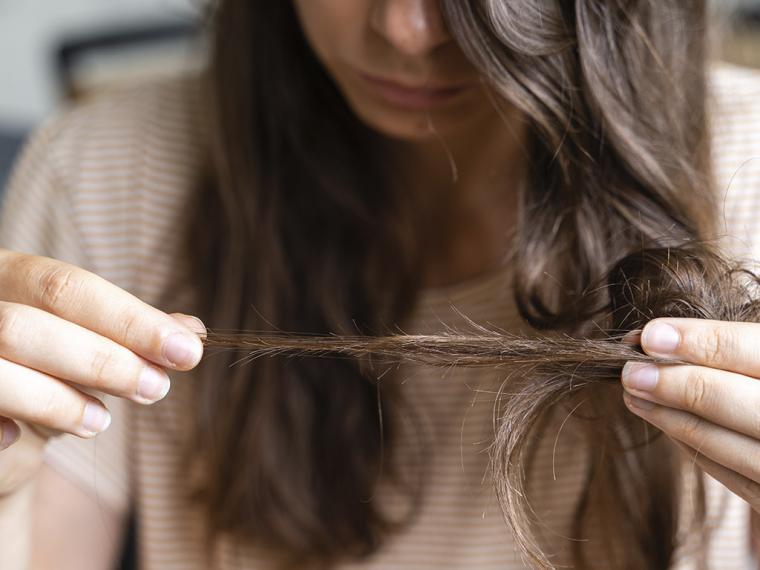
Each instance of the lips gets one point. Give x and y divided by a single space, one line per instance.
413 97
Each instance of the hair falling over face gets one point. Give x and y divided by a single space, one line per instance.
312 232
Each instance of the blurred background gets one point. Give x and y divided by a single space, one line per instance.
53 51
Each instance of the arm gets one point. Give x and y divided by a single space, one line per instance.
65 332
33 507
15 527
91 539
66 336
31 511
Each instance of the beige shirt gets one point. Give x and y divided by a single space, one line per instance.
102 186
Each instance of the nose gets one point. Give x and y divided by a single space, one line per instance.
413 27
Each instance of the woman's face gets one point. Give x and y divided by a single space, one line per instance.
396 65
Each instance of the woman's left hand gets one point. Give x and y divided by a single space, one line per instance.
710 407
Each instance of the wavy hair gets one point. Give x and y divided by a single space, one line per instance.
310 232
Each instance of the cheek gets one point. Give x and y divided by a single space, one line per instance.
332 27
340 34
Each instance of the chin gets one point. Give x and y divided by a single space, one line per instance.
408 123
414 129
412 126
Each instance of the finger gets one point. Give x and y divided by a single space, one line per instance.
726 345
733 450
9 433
745 488
37 339
84 298
724 398
193 323
632 337
37 398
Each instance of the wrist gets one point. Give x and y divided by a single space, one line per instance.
21 462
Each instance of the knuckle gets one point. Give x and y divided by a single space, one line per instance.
134 330
689 429
716 344
103 367
10 319
21 265
51 411
57 286
697 392
753 467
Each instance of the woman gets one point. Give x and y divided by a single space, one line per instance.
372 164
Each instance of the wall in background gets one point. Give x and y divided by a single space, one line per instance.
31 30
741 35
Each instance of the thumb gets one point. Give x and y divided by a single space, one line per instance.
190 322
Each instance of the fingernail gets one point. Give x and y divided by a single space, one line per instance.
199 327
96 419
9 434
640 376
635 402
192 322
182 351
153 385
660 337
632 337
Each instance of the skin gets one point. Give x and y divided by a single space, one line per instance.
63 329
60 323
709 406
406 41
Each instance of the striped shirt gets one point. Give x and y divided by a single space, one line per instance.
103 185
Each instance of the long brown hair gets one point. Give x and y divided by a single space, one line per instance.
308 235
691 281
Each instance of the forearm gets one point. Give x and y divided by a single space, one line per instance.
19 469
16 527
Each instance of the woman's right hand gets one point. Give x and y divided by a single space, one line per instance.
63 329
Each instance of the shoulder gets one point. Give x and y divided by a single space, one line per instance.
127 161
734 110
733 82
123 127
